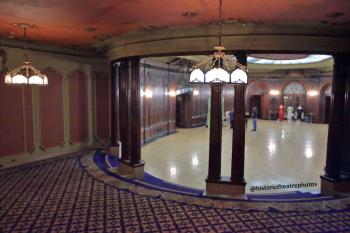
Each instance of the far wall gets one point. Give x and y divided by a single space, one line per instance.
320 86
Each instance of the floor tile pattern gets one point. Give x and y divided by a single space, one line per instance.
61 196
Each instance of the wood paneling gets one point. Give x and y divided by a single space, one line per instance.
51 110
200 98
157 106
102 105
78 111
184 107
158 111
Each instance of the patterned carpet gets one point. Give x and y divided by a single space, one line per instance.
73 195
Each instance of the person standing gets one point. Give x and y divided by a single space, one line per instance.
289 113
232 118
299 111
280 113
255 118
246 119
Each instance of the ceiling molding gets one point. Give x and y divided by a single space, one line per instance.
273 38
51 48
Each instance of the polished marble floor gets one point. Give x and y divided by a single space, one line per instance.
277 153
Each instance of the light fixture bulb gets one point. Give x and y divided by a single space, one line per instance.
274 92
217 75
312 93
197 76
239 76
19 79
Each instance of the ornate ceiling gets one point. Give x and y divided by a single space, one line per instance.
81 23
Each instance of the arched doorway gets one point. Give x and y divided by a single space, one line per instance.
294 94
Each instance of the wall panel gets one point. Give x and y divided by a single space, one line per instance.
102 105
51 110
16 119
78 111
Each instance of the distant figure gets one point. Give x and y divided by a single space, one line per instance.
300 112
232 118
280 113
246 119
289 113
255 117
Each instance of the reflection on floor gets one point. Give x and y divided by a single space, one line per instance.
73 195
110 165
277 153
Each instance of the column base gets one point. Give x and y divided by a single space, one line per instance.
225 187
330 186
135 171
114 150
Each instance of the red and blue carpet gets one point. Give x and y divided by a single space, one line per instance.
73 194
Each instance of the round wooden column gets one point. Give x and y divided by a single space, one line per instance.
114 104
238 135
214 169
124 116
337 178
345 159
130 118
135 114
336 123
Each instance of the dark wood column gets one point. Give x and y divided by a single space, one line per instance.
214 170
345 159
238 135
336 131
114 104
124 116
135 119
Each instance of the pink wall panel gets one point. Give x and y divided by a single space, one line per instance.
12 126
28 106
78 106
51 110
102 86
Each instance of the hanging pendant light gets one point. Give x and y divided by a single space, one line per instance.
219 67
26 74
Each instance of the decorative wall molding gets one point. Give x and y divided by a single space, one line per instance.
304 38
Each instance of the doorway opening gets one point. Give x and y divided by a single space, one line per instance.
255 101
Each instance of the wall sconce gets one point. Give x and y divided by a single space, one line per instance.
312 93
171 93
148 93
195 92
274 92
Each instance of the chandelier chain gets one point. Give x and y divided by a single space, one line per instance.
25 43
219 67
220 21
